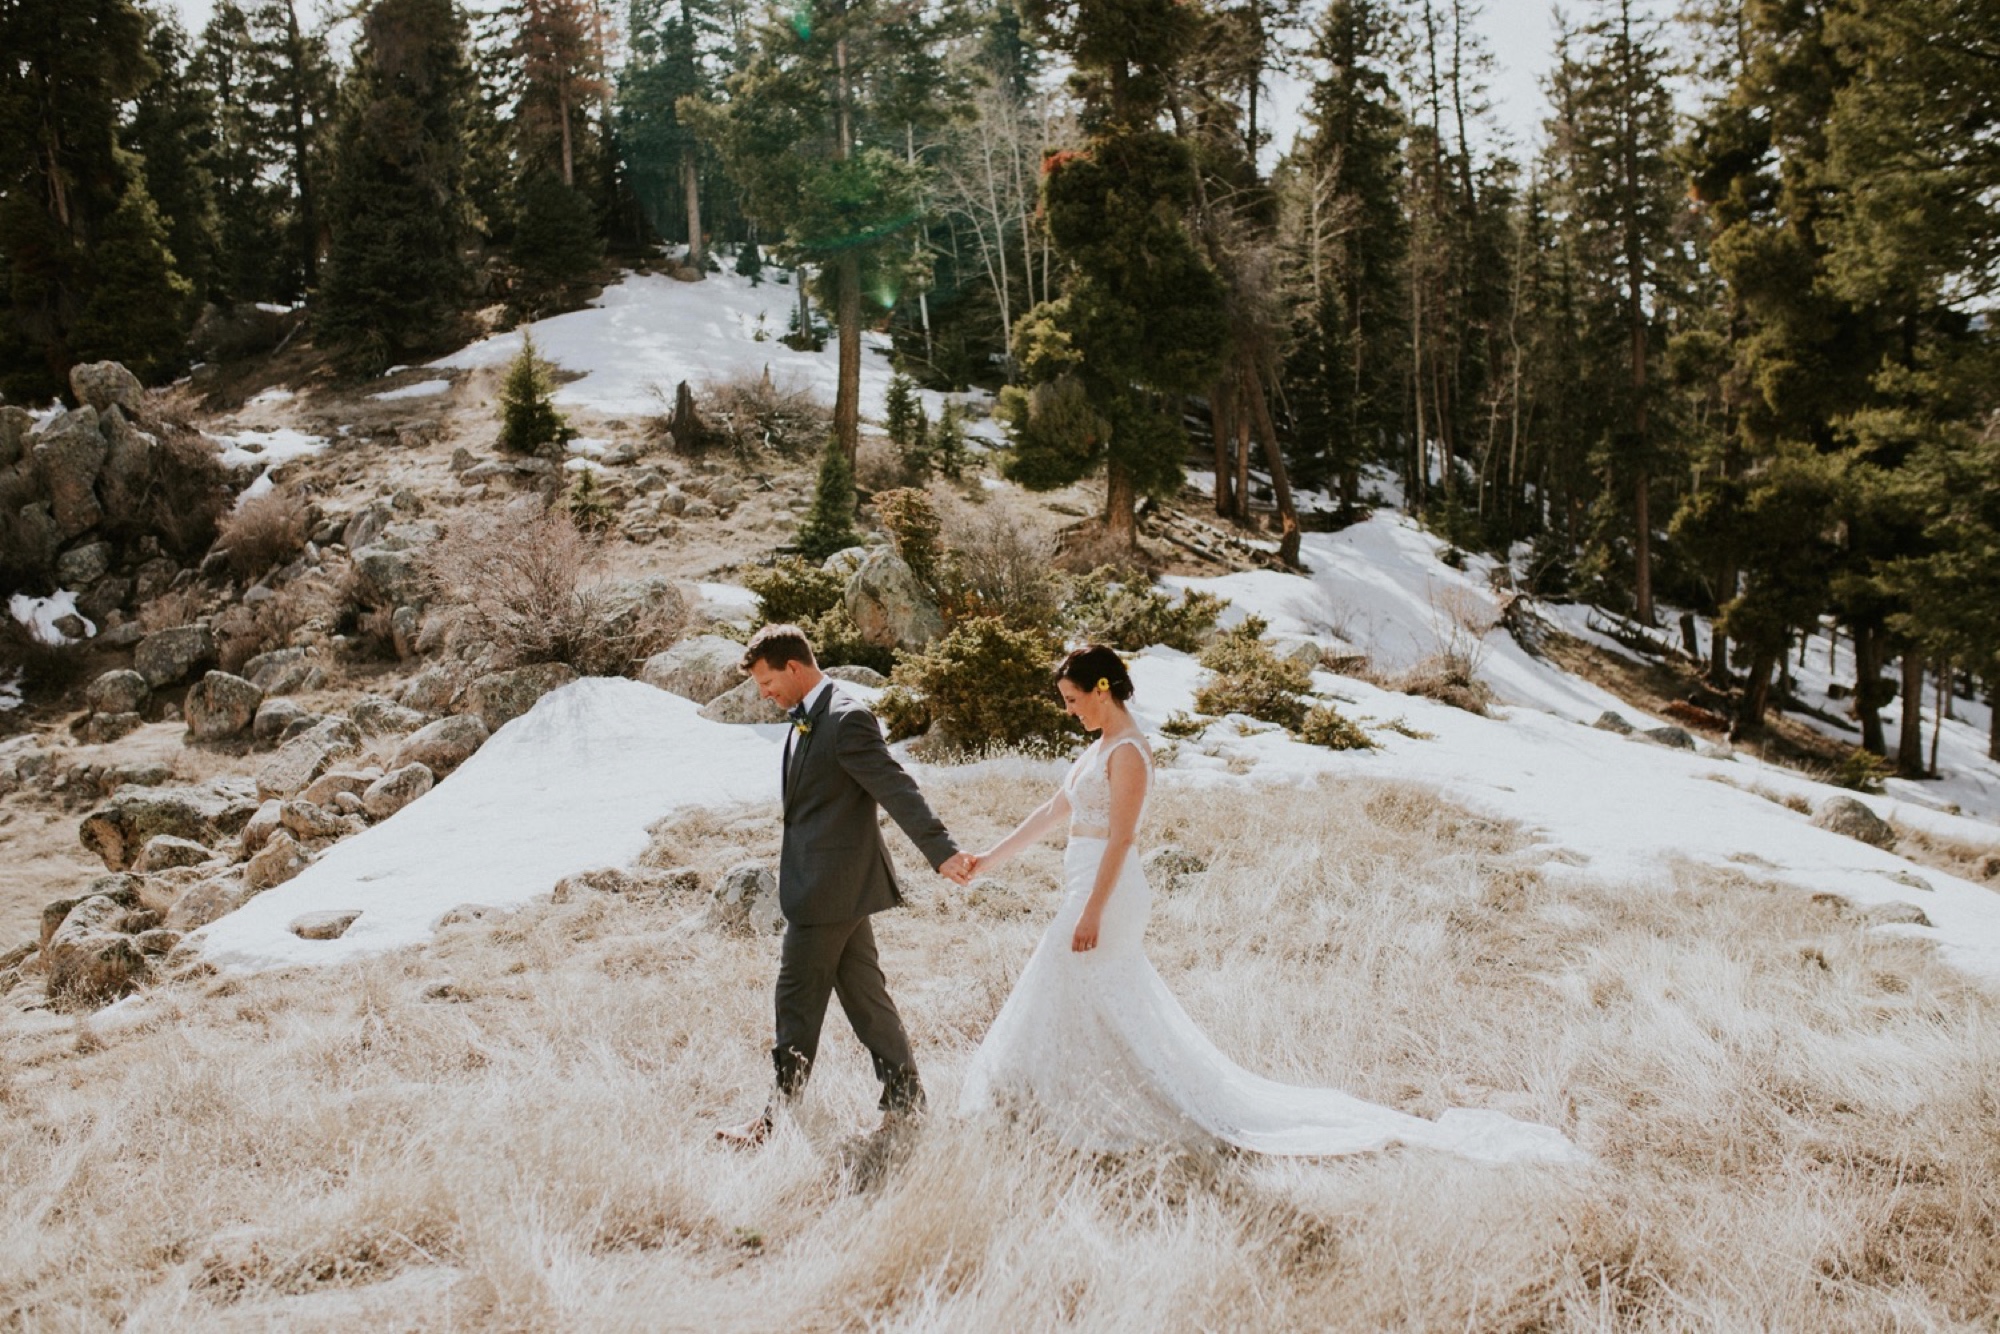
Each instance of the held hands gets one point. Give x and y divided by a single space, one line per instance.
959 868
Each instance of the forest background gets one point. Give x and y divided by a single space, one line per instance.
1717 341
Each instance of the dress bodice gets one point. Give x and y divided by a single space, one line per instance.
1088 786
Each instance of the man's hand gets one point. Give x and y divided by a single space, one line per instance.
957 868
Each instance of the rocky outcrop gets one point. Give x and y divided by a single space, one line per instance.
889 607
91 959
285 671
164 852
699 669
220 706
329 925
310 822
103 385
375 716
68 455
500 697
132 816
277 861
443 745
121 691
307 756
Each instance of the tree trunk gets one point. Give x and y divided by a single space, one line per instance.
1121 522
1867 688
1281 482
691 192
1910 744
1993 722
1222 416
1242 466
301 152
1943 707
847 396
1756 695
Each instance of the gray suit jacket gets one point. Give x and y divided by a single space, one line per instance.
834 867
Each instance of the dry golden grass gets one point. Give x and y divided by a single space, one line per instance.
1792 1118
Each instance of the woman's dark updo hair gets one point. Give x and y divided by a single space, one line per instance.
1085 667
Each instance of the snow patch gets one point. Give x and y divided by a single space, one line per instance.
422 389
40 615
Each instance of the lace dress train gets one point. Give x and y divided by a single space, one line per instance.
1096 1046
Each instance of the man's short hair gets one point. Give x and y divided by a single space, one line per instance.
775 646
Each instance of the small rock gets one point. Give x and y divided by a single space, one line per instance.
220 706
274 716
277 861
208 901
84 565
461 459
330 925
156 942
1896 914
266 822
1613 722
167 656
285 671
119 888
1845 815
1678 738
90 960
307 821
103 728
443 745
396 789
347 803
163 852
855 674
132 816
747 900
430 691
121 691
323 789
375 716
106 384
306 757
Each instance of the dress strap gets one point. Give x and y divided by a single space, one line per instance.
1127 741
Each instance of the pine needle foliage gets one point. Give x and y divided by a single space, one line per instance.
529 421
829 525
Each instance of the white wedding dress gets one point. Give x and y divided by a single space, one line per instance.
1096 1047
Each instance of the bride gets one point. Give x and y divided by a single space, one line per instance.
1093 1043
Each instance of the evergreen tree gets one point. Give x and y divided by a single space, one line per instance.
396 281
137 309
291 84
1142 323
172 132
74 211
671 46
556 246
529 419
247 266
829 525
899 409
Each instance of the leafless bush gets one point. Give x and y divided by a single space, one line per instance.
265 532
997 566
1447 678
532 589
37 666
186 495
176 606
244 630
877 466
1088 547
751 414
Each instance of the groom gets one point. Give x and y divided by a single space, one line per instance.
834 873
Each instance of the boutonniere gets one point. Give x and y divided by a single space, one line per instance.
803 727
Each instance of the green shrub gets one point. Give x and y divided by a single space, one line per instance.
794 591
1862 771
1250 679
586 503
983 684
1326 726
750 263
1123 609
1184 726
528 417
946 450
837 642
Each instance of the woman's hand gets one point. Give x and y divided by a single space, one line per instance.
1086 931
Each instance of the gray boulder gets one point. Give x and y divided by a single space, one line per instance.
257 831
309 822
119 887
430 691
119 691
699 668
1678 738
69 453
322 790
845 561
854 673
15 426
633 607
388 576
102 728
208 901
396 789
742 705
1613 722
500 697
37 535
443 745
153 578
220 706
167 656
889 607
164 852
83 565
375 715
277 861
285 671
306 757
128 465
273 717
131 817
746 899
106 384
1169 866
329 925
1845 815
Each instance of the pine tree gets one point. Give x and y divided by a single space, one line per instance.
74 210
172 132
396 281
829 525
556 245
672 46
138 304
529 419
291 83
899 409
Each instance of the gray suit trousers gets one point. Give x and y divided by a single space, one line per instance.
838 959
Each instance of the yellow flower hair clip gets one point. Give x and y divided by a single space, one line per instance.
1103 683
